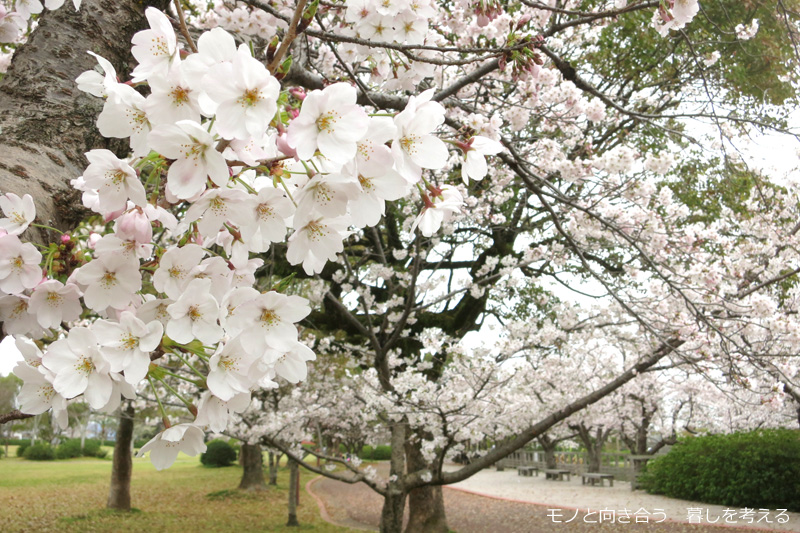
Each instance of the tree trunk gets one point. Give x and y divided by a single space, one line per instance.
294 488
274 461
425 504
394 503
394 500
549 447
252 468
47 123
119 495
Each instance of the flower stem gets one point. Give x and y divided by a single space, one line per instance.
164 416
47 227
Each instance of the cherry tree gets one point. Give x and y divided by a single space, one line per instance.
253 166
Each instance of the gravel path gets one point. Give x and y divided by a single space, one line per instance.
359 507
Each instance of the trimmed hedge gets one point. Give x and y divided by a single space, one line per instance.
72 448
218 453
378 453
758 469
22 447
41 451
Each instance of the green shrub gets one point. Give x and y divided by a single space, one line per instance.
2 453
22 447
41 451
758 469
91 448
218 453
377 453
69 449
15 442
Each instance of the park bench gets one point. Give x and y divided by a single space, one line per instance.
527 471
593 478
557 475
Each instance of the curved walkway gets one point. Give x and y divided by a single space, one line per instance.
491 502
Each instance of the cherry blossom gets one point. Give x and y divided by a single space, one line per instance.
196 157
194 315
52 303
164 447
19 265
414 147
330 121
244 95
127 344
114 180
155 49
19 213
110 280
79 367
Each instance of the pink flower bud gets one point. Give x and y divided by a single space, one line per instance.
134 225
284 147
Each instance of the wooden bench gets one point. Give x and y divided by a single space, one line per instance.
593 478
557 475
527 471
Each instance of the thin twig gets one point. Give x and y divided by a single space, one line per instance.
184 29
290 36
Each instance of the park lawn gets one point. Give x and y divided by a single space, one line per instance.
70 496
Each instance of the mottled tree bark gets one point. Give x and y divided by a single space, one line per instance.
119 495
425 504
294 487
252 468
47 124
274 461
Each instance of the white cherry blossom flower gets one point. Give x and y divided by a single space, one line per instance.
291 366
110 280
97 84
171 99
317 242
213 47
26 8
269 321
270 211
164 447
127 344
79 367
215 207
194 315
175 268
196 157
414 147
329 120
476 150
325 195
155 49
439 206
123 116
16 318
11 25
19 213
38 395
230 370
214 413
52 303
114 180
19 265
244 94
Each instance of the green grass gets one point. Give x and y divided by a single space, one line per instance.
70 496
